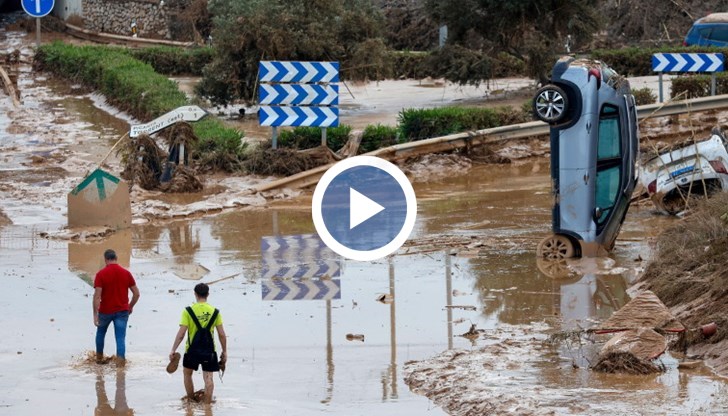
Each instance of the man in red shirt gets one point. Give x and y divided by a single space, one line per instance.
111 304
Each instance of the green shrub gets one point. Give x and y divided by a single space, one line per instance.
174 61
310 137
418 124
127 83
694 86
134 86
644 96
219 147
375 137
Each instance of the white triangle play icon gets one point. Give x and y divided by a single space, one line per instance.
361 208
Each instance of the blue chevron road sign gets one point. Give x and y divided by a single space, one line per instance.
298 116
319 289
298 94
302 256
298 72
687 62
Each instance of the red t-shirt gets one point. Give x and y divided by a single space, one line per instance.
114 282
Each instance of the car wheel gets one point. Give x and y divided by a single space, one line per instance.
550 104
555 247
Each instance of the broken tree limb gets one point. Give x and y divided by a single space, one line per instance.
9 87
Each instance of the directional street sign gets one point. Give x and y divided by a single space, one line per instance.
298 94
38 8
101 199
301 256
298 72
186 113
298 116
322 289
687 62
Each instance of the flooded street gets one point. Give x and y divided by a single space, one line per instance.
470 262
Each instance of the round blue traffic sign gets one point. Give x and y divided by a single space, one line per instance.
38 8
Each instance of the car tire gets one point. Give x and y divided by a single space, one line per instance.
556 247
550 104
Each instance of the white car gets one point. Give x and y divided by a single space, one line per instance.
692 171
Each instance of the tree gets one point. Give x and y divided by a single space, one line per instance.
248 31
531 30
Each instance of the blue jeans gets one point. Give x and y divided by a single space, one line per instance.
119 319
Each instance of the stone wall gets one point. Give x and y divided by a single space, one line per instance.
116 17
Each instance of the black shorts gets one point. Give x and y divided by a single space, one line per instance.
192 362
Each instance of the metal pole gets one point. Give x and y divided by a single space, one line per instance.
182 154
712 84
37 31
448 287
329 356
392 331
659 77
275 138
275 223
323 137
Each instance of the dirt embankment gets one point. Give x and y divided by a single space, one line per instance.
689 273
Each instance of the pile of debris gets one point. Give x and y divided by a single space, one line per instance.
146 164
640 327
689 274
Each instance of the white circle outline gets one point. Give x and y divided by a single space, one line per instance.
394 172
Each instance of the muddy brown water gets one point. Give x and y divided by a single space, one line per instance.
293 357
306 357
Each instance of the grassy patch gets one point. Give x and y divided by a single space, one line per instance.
135 87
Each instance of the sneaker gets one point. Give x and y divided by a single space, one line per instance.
174 363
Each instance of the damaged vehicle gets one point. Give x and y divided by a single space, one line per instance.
594 148
679 176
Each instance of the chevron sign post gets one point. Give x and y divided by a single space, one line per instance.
301 289
302 256
298 94
687 62
298 267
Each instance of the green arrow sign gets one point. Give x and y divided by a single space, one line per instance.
102 180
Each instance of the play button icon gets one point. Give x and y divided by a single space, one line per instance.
364 208
361 208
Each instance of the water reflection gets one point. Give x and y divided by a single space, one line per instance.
87 258
184 243
119 406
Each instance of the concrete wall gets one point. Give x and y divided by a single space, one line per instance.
65 8
116 16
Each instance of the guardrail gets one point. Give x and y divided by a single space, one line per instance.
489 136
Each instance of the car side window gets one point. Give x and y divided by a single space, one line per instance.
720 33
705 32
609 162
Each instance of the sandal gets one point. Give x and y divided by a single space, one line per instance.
174 363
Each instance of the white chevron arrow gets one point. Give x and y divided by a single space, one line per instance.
662 62
310 72
331 71
717 62
330 117
698 62
681 62
291 71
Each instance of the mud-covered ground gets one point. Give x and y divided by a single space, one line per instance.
469 262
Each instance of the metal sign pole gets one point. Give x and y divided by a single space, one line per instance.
659 77
323 137
712 84
37 31
274 139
